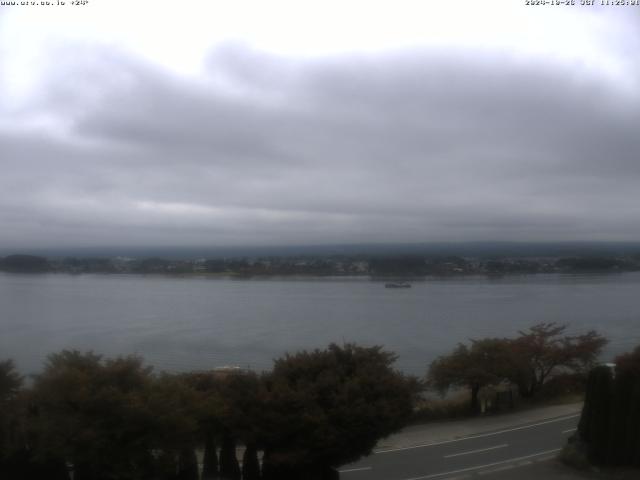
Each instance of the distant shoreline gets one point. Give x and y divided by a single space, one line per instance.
328 277
382 266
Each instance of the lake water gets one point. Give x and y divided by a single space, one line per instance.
194 323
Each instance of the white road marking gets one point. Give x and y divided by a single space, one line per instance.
569 430
545 459
478 467
481 435
476 451
497 469
355 469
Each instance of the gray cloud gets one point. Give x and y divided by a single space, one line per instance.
411 145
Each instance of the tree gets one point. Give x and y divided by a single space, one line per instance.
10 385
10 381
210 458
208 414
93 413
594 422
250 463
229 466
485 362
174 431
543 350
242 397
187 464
609 427
230 403
398 265
329 407
629 362
18 460
625 445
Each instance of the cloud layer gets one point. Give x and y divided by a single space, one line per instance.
402 145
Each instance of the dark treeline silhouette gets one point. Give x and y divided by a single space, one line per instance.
541 354
594 264
390 265
116 419
609 429
24 263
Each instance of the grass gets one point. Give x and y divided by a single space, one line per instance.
456 406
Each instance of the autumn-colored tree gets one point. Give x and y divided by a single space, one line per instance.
484 362
543 350
629 362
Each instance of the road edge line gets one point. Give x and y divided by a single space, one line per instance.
478 467
479 435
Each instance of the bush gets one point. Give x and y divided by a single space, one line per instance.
574 456
561 385
454 406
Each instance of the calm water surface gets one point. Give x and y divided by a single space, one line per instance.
193 323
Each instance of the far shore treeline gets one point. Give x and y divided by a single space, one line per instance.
413 265
314 411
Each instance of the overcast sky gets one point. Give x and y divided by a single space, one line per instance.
289 122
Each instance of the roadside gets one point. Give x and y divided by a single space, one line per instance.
451 429
538 467
550 469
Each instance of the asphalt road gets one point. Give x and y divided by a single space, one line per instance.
484 453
